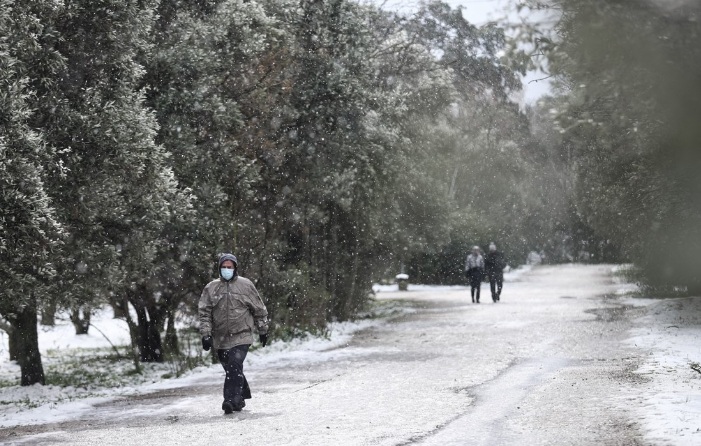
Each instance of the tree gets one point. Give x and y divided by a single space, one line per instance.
212 79
475 147
629 71
30 234
89 107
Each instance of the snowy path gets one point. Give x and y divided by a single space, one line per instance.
547 365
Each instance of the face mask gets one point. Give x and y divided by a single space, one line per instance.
226 273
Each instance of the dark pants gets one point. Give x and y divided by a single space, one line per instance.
496 281
235 384
474 275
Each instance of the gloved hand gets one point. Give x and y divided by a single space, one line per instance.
263 339
206 342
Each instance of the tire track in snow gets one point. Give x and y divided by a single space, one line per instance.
494 402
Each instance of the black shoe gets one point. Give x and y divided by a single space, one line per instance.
227 407
238 403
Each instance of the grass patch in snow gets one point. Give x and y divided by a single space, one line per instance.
104 367
76 374
87 370
91 370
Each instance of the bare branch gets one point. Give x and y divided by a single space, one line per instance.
541 79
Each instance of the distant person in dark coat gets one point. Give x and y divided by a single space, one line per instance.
474 270
494 265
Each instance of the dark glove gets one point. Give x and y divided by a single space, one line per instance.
263 339
206 342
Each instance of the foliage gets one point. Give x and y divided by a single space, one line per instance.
628 73
325 143
30 232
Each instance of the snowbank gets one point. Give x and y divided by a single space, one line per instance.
669 406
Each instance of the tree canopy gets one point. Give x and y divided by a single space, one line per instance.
329 144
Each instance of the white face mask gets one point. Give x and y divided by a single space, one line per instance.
226 273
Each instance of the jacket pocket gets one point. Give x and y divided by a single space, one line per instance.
219 320
240 316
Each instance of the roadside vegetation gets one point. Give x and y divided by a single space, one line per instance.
329 145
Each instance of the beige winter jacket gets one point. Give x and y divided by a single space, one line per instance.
230 310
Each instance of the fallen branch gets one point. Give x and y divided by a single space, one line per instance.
695 367
119 355
541 79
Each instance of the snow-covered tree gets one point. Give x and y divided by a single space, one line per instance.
629 71
30 234
116 192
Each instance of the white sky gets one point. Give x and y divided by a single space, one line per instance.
479 12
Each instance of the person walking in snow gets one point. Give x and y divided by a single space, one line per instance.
494 265
474 270
229 310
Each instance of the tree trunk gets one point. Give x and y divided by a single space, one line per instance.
134 335
336 296
119 310
350 303
48 314
81 324
150 346
12 339
29 358
15 344
155 345
171 339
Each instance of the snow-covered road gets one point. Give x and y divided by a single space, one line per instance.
547 365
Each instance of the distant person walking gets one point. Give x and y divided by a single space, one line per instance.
229 310
494 265
474 270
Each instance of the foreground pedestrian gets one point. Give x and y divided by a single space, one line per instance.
494 265
229 310
474 270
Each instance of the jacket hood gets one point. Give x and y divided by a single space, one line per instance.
225 257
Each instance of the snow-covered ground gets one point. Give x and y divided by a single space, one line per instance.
62 349
669 405
433 369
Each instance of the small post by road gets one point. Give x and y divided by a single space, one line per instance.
402 281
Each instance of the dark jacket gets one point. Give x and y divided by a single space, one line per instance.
494 263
